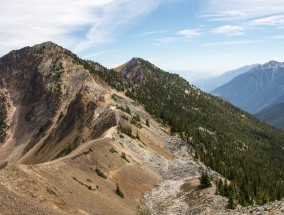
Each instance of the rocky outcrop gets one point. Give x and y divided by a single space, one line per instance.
48 103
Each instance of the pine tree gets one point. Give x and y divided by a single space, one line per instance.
205 180
220 187
232 202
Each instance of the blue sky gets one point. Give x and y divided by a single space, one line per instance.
193 36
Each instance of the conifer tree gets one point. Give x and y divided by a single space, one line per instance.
205 180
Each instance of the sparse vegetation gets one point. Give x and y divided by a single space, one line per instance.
80 182
119 192
113 150
115 97
126 130
126 109
89 180
100 173
123 156
3 115
56 75
147 123
136 121
69 148
137 135
124 117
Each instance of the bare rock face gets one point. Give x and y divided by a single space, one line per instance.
46 103
136 71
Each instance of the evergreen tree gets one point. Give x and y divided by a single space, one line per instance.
205 180
232 202
220 187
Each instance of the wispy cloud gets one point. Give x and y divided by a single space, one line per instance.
279 37
98 53
220 10
190 33
223 15
150 33
270 20
166 40
229 30
75 24
235 42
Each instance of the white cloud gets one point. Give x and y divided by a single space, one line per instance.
98 53
150 33
72 23
190 33
229 30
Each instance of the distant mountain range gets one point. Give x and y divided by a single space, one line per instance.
256 89
212 83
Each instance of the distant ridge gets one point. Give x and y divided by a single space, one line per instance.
260 87
212 83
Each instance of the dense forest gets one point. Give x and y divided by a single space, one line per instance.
232 142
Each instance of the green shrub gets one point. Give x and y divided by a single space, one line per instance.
113 150
89 180
119 192
100 173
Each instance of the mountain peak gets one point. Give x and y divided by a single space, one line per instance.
49 45
269 65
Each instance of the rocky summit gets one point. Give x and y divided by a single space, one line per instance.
77 138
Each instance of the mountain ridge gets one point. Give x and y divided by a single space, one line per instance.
258 88
81 122
215 82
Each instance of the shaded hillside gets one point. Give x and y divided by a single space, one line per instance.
257 89
273 116
212 83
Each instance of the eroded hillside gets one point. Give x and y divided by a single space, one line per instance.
51 103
